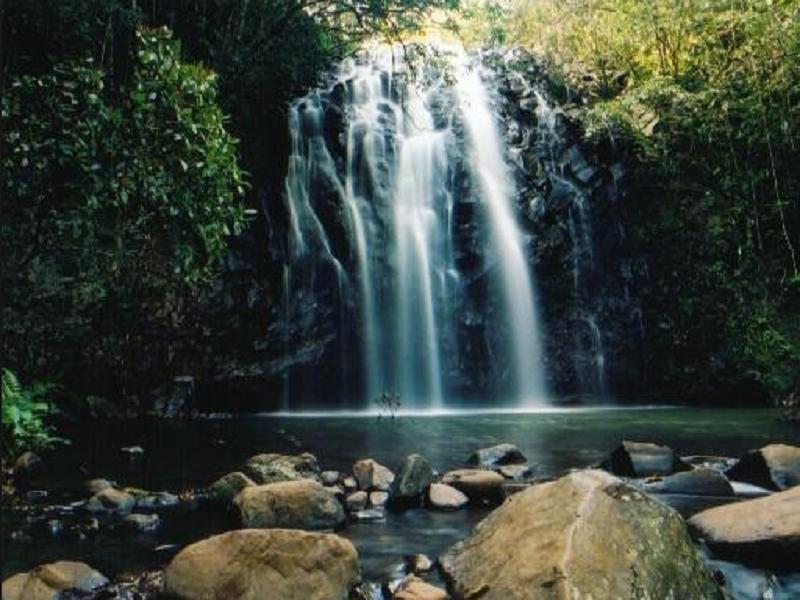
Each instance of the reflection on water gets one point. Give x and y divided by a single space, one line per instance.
192 454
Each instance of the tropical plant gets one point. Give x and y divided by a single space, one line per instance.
24 413
388 405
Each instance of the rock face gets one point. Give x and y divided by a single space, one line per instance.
252 564
371 475
289 504
775 467
227 487
476 484
53 581
697 482
412 480
764 532
445 497
586 535
502 454
271 468
641 459
111 501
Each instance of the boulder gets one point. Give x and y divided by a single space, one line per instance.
641 459
502 454
586 535
227 487
445 497
111 501
271 468
764 532
253 563
54 581
371 475
477 484
412 481
697 482
414 588
300 504
350 484
368 514
774 467
357 500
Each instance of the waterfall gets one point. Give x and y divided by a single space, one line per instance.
398 188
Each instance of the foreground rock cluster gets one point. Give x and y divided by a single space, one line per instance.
596 533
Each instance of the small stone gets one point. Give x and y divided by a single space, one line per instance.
477 484
95 486
418 563
412 481
378 499
515 471
133 451
356 501
143 523
445 497
329 477
369 514
350 484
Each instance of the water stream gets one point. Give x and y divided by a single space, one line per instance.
383 160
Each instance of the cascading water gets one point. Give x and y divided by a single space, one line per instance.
385 165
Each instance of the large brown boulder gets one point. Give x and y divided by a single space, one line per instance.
775 467
255 564
52 581
586 535
271 468
764 532
642 459
300 504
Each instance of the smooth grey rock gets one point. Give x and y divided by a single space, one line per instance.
501 454
411 482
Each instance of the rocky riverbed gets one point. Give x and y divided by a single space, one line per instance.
643 520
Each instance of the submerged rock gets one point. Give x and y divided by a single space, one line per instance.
272 468
445 497
764 532
502 454
477 484
586 535
276 563
372 475
698 482
111 501
414 588
641 459
774 467
412 481
291 504
227 487
52 581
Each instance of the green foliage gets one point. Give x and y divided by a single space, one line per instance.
388 404
115 201
708 95
24 414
